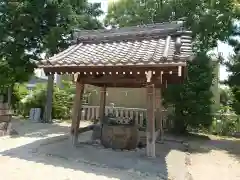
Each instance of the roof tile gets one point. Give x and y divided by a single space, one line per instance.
151 45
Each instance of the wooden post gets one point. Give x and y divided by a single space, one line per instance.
77 111
102 104
48 108
159 114
151 137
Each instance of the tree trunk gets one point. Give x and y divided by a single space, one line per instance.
180 126
9 96
48 108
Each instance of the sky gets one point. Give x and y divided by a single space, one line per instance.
223 48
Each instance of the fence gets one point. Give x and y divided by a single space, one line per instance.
138 114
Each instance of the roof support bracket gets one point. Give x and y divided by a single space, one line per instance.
149 76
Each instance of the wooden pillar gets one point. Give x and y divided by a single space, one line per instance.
102 103
48 108
151 137
77 111
159 111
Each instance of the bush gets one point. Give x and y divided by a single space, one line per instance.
62 100
225 122
18 93
35 99
62 104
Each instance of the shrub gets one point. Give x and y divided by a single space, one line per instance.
62 104
20 91
62 100
225 122
35 99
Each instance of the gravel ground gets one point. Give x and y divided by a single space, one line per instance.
43 151
214 165
218 158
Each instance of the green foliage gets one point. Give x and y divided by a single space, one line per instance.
5 70
210 21
31 27
21 90
236 98
226 96
233 67
62 100
192 100
225 122
233 63
35 99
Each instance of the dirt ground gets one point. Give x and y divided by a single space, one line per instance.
44 151
216 158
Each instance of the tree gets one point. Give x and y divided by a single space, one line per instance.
192 100
233 67
226 96
210 21
29 28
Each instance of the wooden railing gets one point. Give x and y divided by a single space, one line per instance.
138 114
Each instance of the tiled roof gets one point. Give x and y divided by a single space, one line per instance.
148 45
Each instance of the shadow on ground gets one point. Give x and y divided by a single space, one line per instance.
58 151
199 143
91 158
26 128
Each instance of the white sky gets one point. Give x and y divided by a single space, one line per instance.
225 49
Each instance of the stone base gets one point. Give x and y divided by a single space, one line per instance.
4 126
5 129
96 134
120 136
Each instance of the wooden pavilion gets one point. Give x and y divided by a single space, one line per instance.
149 57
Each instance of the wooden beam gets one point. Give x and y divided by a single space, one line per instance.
113 80
77 111
86 129
48 108
137 82
151 137
131 68
113 85
118 79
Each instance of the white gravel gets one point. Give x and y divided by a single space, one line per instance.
44 151
219 159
